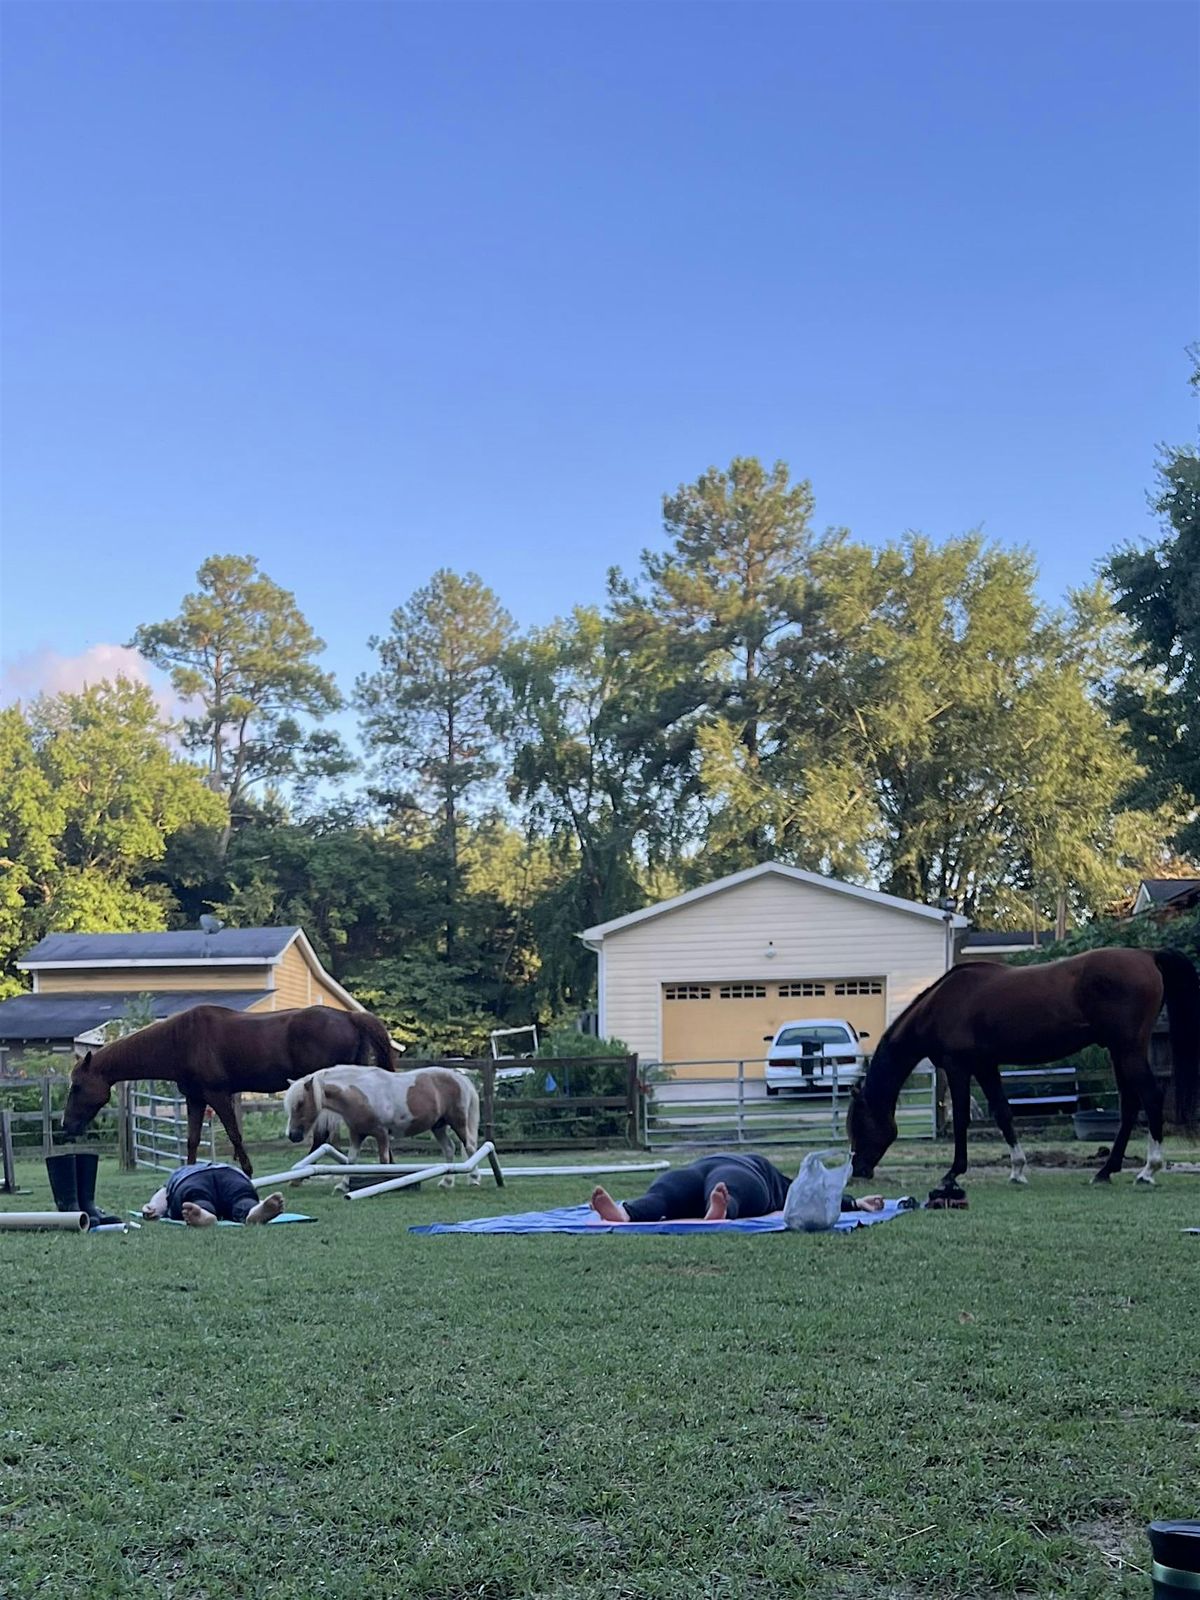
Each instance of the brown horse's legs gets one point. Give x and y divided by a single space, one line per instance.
993 1087
1152 1099
196 1107
959 1080
223 1105
1130 1103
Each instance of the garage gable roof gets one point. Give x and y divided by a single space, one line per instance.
769 869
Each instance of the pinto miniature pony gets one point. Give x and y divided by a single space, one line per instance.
214 1052
982 1014
383 1107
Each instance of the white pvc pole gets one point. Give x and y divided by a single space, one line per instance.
305 1169
30 1221
586 1172
325 1150
486 1152
309 1168
403 1182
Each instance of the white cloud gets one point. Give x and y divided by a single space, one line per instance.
47 671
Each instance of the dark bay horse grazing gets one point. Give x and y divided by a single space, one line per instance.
213 1053
983 1013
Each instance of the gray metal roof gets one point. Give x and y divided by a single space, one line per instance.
188 945
990 939
1160 890
66 1016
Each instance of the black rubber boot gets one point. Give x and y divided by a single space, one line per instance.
85 1188
61 1172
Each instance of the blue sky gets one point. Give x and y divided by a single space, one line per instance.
368 289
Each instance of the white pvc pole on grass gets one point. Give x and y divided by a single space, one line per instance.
486 1151
31 1221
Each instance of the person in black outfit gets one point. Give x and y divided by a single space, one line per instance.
716 1189
210 1191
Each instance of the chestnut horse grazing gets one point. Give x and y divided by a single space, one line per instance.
213 1053
984 1014
427 1100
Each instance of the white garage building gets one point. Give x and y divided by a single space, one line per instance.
702 977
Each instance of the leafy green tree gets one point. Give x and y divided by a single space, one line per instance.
243 651
91 799
973 715
719 606
1157 589
123 794
358 891
426 1003
426 713
31 819
600 749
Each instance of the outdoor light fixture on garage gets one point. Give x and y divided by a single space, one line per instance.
769 953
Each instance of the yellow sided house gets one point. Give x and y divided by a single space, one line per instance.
703 977
81 981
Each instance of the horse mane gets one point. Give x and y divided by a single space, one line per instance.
889 1066
120 1055
894 1026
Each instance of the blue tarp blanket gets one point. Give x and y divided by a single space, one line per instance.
177 1222
582 1219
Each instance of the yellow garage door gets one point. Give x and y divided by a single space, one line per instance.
715 1024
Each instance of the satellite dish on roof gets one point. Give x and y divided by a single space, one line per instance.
210 924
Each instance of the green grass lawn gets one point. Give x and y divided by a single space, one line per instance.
989 1402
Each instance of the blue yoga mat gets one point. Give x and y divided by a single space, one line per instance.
582 1219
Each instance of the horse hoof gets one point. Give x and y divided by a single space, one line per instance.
1102 1177
1018 1177
1145 1177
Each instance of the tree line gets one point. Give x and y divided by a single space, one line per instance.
910 715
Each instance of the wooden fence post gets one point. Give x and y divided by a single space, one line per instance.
487 1107
633 1103
6 1153
125 1127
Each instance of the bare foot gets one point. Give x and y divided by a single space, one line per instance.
265 1209
607 1208
718 1204
196 1216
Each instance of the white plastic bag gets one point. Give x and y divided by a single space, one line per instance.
814 1202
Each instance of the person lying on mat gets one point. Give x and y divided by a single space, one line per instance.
210 1191
715 1189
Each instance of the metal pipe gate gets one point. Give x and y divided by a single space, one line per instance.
156 1119
697 1109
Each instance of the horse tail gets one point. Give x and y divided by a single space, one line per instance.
374 1039
471 1113
1181 992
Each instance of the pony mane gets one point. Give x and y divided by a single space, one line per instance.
298 1088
